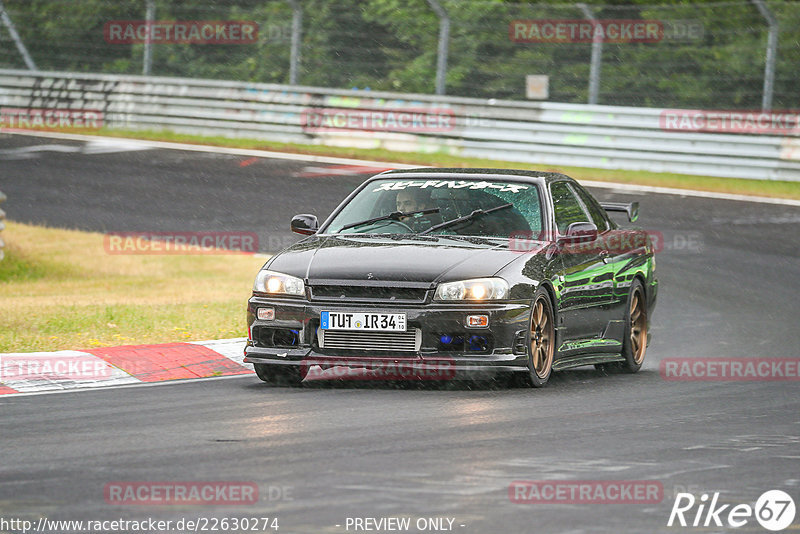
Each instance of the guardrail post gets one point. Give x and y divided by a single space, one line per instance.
297 34
2 224
444 40
147 60
597 55
26 57
772 52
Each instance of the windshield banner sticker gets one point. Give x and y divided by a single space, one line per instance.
451 184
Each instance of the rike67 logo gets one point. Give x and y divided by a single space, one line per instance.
774 510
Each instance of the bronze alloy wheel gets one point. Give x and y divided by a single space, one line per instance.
634 342
542 338
638 330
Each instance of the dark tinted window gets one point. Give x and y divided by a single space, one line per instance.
595 211
566 207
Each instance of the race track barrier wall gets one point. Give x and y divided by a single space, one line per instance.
606 137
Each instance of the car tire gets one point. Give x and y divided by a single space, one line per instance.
541 341
279 375
634 344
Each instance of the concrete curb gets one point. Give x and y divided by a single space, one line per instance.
37 372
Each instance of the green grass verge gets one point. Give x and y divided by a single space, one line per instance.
60 289
766 188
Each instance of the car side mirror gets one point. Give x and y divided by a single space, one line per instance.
305 224
580 232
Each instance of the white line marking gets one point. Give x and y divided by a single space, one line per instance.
97 146
31 152
347 161
689 193
337 170
106 146
12 396
663 476
224 150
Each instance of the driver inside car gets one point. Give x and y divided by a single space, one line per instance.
409 200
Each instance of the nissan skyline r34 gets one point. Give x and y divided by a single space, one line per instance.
456 271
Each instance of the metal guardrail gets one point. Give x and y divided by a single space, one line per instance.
606 137
2 225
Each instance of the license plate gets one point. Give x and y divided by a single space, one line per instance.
393 322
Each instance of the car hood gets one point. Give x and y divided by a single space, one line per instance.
418 259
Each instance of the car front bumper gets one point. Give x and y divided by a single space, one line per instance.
499 347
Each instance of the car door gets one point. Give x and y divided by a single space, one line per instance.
588 281
616 250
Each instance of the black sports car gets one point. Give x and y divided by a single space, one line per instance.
447 272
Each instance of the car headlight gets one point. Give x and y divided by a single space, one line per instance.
278 284
475 289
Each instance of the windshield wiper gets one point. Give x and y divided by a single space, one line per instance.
464 218
395 216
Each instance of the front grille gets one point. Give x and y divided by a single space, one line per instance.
372 293
370 341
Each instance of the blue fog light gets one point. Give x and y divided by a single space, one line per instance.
478 343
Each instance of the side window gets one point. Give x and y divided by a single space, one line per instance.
566 208
595 211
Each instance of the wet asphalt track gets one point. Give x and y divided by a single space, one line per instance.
729 287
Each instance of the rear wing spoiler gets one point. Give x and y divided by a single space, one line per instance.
631 208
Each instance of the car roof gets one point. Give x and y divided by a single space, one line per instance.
446 173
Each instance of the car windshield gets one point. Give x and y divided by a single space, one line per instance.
441 201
